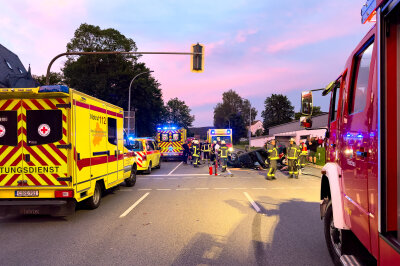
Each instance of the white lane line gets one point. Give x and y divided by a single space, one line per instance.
183 189
145 189
126 190
163 189
175 168
187 177
277 188
259 188
134 205
221 188
201 188
239 188
158 178
255 206
178 175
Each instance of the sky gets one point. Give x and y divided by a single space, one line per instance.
255 47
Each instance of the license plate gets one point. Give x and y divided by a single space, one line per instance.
27 193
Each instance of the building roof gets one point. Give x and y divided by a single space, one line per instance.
255 122
320 121
12 72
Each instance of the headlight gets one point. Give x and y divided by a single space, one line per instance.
230 149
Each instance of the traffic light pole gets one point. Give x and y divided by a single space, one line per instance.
114 53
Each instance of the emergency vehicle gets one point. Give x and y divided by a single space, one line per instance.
170 140
220 135
58 147
360 184
148 154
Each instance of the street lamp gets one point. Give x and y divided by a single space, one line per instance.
129 98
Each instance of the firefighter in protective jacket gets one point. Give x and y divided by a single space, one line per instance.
273 157
223 151
293 156
303 154
196 153
206 148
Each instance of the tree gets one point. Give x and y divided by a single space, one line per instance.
316 111
107 77
278 110
178 113
55 78
230 109
259 132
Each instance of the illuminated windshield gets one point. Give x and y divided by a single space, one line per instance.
221 138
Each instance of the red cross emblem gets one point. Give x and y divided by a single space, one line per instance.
2 131
44 130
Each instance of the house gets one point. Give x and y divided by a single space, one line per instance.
284 132
13 73
256 125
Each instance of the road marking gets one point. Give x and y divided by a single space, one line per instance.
158 178
201 188
177 175
145 189
183 189
259 188
126 190
163 189
187 177
277 188
221 188
134 205
175 168
239 188
255 206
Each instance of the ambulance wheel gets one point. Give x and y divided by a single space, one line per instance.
131 180
159 165
149 169
94 201
333 236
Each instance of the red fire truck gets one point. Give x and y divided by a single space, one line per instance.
360 184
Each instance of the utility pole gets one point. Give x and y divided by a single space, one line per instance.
250 125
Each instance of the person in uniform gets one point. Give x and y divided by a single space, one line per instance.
196 153
273 157
303 155
186 152
292 156
206 151
223 151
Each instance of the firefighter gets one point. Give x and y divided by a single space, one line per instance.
303 155
292 156
206 151
273 157
223 151
196 153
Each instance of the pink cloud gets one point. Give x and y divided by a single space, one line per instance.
242 35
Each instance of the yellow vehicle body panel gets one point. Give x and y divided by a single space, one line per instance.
170 142
147 155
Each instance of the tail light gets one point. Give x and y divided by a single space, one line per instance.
64 194
144 157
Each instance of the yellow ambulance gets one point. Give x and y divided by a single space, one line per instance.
58 147
148 155
170 140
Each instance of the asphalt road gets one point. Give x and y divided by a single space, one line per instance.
180 215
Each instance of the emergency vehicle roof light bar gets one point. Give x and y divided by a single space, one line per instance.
109 52
54 88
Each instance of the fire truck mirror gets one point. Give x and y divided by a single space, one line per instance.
306 103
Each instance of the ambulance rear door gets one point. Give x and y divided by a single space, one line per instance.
11 143
44 129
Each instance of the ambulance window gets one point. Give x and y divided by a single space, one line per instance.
149 145
175 137
112 131
8 128
164 137
43 126
358 92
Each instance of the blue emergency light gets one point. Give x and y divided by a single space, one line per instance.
228 131
213 132
54 88
173 128
159 128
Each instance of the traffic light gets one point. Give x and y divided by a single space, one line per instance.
198 59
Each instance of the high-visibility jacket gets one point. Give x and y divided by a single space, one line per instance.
292 152
196 150
273 152
223 151
206 147
303 149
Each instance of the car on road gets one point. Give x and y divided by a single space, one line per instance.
148 155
